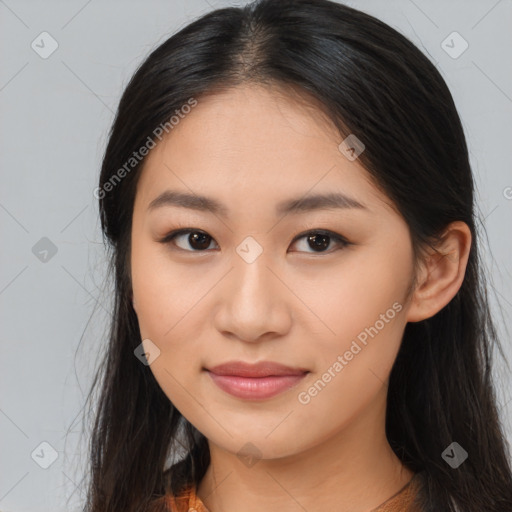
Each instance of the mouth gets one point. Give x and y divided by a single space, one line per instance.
258 381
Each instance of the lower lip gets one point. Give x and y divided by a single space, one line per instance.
255 388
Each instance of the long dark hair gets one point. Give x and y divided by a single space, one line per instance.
373 83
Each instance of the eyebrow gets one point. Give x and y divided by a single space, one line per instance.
299 205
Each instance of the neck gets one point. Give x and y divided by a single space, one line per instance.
354 469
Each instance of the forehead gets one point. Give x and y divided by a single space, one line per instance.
252 145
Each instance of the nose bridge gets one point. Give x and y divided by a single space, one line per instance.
252 302
251 275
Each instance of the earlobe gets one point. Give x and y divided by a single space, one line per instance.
442 274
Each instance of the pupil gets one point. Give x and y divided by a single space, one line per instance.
197 240
319 241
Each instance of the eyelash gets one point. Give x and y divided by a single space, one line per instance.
169 238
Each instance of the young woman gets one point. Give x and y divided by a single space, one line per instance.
301 319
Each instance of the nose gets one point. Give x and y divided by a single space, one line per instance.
253 303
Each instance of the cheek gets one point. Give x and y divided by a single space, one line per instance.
166 293
362 315
350 298
170 298
352 365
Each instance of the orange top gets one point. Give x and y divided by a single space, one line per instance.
402 501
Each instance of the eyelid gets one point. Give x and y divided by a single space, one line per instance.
341 240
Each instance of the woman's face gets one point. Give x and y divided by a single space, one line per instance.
264 278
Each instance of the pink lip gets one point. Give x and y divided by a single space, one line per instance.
255 381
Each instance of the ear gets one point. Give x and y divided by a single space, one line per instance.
133 301
442 273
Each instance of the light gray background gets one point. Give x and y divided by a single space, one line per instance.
55 114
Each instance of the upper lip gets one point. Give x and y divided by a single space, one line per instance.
260 369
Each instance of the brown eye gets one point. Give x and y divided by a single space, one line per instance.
319 241
193 240
190 239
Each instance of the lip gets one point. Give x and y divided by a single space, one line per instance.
255 381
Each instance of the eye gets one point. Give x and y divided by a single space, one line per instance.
196 239
318 240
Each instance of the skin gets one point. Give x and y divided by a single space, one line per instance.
250 148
